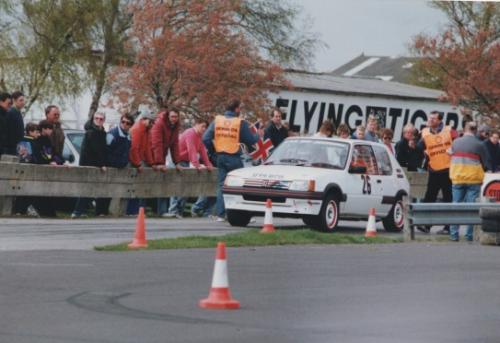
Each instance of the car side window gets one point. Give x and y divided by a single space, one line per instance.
383 160
362 155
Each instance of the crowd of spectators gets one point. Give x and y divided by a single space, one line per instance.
147 141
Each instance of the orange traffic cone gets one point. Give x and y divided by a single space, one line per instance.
371 228
268 218
140 232
220 296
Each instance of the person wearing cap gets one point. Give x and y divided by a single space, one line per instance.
483 132
469 160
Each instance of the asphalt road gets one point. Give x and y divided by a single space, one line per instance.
84 234
420 292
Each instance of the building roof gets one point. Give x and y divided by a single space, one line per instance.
327 83
381 67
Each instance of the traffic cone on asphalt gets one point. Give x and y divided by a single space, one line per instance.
219 297
140 232
371 228
268 218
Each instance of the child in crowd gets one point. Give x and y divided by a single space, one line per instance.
25 147
360 133
43 149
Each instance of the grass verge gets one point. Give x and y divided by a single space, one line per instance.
252 238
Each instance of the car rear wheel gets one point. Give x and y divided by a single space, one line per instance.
328 217
238 218
395 220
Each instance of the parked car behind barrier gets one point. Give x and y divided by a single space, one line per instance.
73 145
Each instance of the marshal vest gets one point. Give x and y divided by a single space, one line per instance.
227 134
437 147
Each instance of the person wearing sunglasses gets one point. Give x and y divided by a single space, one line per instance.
118 142
387 135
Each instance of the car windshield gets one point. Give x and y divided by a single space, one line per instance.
76 139
311 153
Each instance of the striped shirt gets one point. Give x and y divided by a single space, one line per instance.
469 159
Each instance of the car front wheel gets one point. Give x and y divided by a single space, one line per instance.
329 215
238 218
395 220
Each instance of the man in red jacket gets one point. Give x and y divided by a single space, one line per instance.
140 153
165 136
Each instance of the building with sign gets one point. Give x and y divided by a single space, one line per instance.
316 97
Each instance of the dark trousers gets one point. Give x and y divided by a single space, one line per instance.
435 183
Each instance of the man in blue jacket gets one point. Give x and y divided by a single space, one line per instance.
118 143
223 137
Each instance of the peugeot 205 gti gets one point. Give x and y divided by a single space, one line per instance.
320 180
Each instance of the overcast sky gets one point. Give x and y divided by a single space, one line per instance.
372 27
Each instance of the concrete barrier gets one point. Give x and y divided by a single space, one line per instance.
418 184
21 179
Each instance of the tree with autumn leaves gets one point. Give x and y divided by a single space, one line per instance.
53 48
194 55
464 60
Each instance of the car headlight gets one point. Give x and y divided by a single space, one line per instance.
234 181
302 185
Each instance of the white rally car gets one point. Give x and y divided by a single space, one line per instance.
320 180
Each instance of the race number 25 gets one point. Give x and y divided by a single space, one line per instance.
367 187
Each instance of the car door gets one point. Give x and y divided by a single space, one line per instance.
361 192
385 184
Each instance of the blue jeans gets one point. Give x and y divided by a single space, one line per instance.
162 205
464 193
225 164
204 205
177 203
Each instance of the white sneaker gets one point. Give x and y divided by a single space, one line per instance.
220 219
32 212
178 216
168 215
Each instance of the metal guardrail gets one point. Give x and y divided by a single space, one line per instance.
442 214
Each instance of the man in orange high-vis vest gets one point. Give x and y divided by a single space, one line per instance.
436 143
223 138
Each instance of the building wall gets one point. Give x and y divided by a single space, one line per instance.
305 111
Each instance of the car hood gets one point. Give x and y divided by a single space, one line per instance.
283 172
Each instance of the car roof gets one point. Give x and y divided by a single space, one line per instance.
335 139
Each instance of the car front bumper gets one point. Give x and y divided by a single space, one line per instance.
284 202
